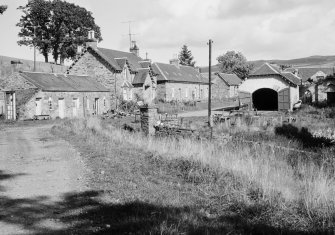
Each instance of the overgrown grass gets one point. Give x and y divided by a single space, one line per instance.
277 188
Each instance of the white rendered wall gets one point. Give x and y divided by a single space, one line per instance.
253 84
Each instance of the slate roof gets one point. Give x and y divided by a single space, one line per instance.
230 79
121 62
145 63
291 77
60 82
170 72
112 55
267 69
141 76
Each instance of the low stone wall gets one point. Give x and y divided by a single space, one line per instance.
165 131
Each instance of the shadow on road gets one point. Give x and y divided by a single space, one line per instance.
6 176
83 213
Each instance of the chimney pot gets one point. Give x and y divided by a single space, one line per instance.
134 48
92 41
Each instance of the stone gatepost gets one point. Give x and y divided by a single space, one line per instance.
149 117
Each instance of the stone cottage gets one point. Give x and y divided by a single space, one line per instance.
267 88
33 94
224 85
116 70
314 86
179 83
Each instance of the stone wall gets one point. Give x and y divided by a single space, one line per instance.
15 82
220 90
182 91
149 117
91 65
50 105
161 91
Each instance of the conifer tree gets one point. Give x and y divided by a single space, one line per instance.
185 57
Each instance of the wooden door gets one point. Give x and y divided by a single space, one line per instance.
38 102
61 108
96 106
245 98
75 107
284 103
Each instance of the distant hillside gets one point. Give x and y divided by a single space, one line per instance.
9 65
312 61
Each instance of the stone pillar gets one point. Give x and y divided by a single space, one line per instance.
149 117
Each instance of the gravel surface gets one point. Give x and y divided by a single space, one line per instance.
35 167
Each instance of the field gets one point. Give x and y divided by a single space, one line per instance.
271 180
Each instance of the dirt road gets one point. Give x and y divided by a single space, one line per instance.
36 171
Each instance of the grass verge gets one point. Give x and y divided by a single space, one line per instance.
226 187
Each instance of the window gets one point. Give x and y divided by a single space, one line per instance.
130 94
172 92
125 95
186 93
87 103
125 74
50 103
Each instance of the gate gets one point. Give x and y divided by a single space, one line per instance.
284 103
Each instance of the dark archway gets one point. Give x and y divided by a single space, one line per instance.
265 99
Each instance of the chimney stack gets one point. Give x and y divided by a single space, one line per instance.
134 48
92 41
175 60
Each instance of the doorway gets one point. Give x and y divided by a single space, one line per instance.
75 107
265 99
61 108
38 102
96 106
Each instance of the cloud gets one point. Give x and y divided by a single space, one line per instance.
258 28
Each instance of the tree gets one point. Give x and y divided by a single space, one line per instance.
185 57
233 62
55 27
3 8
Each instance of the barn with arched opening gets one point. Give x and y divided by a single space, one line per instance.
268 88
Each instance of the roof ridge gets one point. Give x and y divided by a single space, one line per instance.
270 66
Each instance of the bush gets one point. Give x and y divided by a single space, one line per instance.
128 106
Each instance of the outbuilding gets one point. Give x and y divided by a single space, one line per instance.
31 95
267 88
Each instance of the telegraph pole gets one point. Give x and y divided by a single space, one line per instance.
210 120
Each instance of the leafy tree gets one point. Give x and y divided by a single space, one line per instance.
235 62
3 8
185 57
55 27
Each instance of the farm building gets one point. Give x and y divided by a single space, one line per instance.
28 95
314 86
179 82
116 70
269 89
224 85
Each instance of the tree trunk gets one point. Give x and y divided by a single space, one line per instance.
46 58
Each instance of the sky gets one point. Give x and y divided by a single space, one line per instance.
260 29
